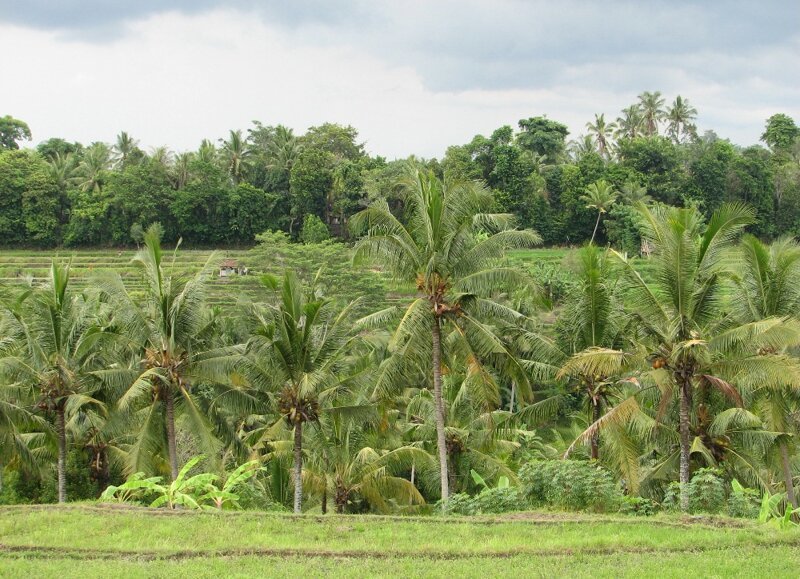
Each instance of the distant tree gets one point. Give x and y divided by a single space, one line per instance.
543 136
630 123
680 117
599 196
602 131
780 133
125 150
235 154
651 105
12 131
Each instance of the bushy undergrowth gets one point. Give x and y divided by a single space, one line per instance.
488 501
570 485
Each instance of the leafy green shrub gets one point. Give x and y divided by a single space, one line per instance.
488 501
672 497
570 484
638 506
707 491
743 502
314 230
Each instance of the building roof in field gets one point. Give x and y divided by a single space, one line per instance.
229 263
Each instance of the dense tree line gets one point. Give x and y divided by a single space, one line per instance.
225 193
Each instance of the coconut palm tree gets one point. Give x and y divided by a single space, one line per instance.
630 123
582 146
602 132
52 351
680 118
695 347
455 272
170 338
283 149
95 161
61 169
348 462
651 105
296 355
207 152
181 170
768 288
235 154
124 149
633 193
600 196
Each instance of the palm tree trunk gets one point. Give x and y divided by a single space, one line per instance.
441 443
413 472
596 223
685 449
169 400
787 475
513 395
325 501
596 436
298 467
61 432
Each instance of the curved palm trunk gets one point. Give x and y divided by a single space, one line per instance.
441 443
298 467
596 224
61 433
169 401
685 448
596 436
787 475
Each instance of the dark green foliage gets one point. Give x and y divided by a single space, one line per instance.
638 506
743 502
543 136
488 501
570 485
707 491
314 230
12 131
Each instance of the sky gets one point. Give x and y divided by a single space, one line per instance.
413 76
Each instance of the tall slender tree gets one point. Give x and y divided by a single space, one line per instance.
455 271
599 196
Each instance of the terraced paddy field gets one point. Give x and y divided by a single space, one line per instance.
22 266
90 540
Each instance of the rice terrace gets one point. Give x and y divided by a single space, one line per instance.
469 298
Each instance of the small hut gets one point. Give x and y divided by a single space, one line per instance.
229 267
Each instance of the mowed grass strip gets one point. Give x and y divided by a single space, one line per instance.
768 562
132 532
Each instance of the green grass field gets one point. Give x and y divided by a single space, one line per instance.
113 541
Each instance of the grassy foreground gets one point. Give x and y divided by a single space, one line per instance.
103 541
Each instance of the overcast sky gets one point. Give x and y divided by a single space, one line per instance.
413 76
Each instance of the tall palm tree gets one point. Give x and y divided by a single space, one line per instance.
680 117
633 193
582 146
768 287
695 347
171 351
235 154
602 133
61 169
630 123
599 196
651 105
207 152
89 175
181 170
455 272
295 353
163 156
124 148
55 345
283 149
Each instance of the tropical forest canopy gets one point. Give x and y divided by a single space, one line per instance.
229 190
